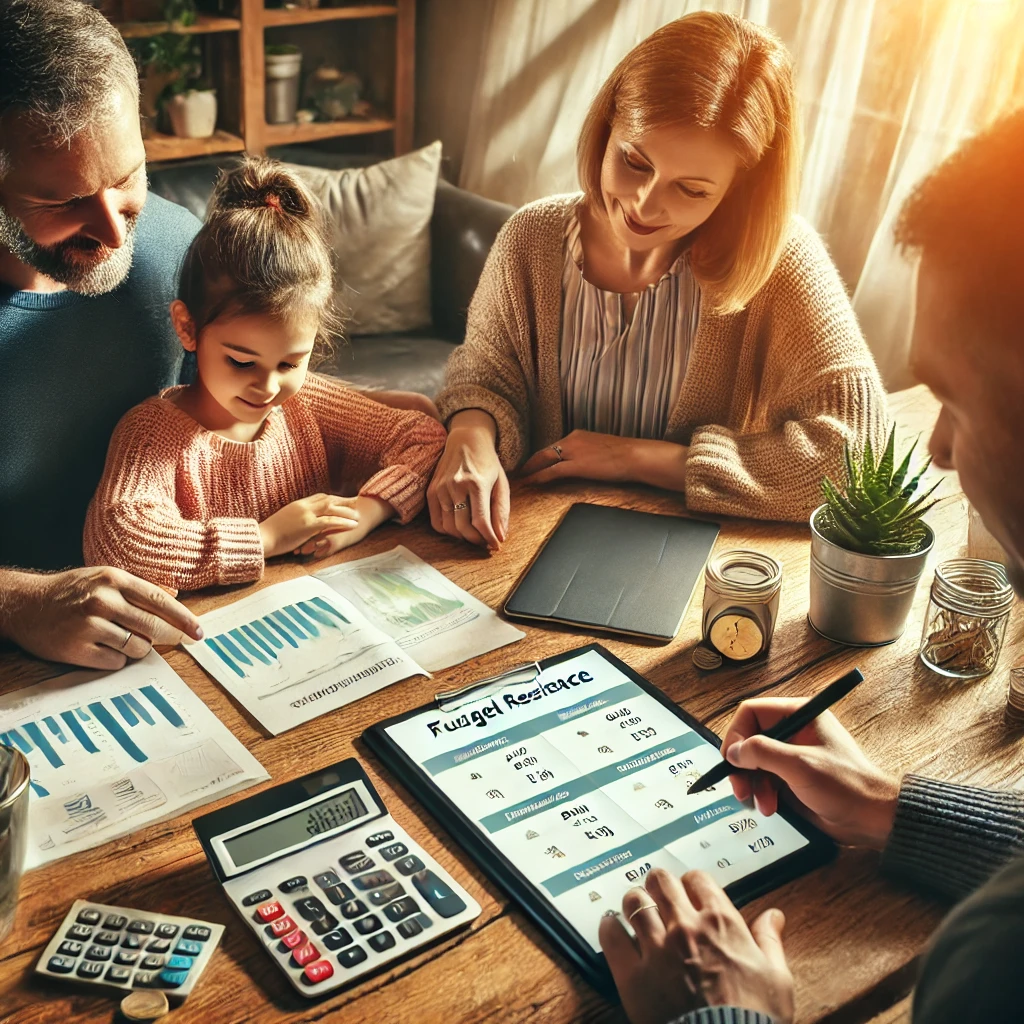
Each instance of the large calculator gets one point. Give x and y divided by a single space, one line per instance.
328 881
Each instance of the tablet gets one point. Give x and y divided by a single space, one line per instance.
569 786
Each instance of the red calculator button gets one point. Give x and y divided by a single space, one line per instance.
303 954
295 938
282 926
270 911
320 971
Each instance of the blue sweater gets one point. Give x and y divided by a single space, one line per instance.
70 367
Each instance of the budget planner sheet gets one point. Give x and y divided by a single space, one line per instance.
579 779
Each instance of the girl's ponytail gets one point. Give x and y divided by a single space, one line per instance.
261 184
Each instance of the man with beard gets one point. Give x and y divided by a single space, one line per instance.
88 266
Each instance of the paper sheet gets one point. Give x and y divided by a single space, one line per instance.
112 752
295 651
434 621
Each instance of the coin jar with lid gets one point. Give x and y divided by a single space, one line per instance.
741 603
967 614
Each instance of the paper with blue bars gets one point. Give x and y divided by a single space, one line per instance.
112 752
297 650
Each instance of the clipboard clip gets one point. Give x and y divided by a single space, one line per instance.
449 700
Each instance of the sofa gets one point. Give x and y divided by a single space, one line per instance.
462 230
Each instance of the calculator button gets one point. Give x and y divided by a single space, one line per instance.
443 900
393 851
291 884
293 939
68 948
326 879
374 881
282 926
260 896
60 964
141 927
382 941
88 969
320 971
127 959
146 979
97 953
115 922
409 929
407 865
88 917
401 909
186 948
379 837
337 939
353 863
180 963
337 894
131 942
107 938
196 932
166 931
302 955
368 924
158 946
152 963
118 975
172 979
323 925
352 908
79 933
352 956
378 897
269 912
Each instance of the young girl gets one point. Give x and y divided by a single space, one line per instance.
206 481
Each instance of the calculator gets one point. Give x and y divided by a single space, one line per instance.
128 949
332 886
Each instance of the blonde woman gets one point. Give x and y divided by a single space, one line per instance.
675 324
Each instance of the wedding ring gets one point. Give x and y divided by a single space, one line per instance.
646 906
557 449
459 506
127 637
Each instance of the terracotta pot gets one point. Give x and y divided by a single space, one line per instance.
193 114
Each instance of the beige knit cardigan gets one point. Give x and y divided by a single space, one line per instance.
771 392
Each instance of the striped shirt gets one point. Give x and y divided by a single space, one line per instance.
620 375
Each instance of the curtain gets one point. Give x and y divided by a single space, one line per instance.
887 89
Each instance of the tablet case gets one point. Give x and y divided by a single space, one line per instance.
615 569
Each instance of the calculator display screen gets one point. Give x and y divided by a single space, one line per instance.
293 829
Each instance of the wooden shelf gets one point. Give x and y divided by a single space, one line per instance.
170 147
205 23
276 18
285 134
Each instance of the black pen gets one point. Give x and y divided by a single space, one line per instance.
789 726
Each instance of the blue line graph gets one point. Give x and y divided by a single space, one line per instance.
258 642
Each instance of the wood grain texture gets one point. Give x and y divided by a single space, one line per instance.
853 938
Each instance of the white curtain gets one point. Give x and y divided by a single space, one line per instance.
887 88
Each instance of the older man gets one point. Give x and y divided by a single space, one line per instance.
967 222
88 266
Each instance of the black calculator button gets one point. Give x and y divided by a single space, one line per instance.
382 941
401 909
443 900
261 896
60 964
115 922
118 975
141 927
368 924
338 894
374 880
165 931
326 879
323 925
409 929
146 979
387 893
407 865
126 957
291 884
97 953
88 969
107 938
352 908
79 933
88 917
337 939
131 942
152 963
68 948
310 908
159 946
351 956
379 837
353 863
393 851
196 932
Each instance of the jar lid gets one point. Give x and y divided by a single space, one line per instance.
742 573
973 586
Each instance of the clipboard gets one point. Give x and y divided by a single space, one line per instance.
551 909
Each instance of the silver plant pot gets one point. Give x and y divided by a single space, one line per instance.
861 600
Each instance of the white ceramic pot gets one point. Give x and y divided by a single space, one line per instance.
193 114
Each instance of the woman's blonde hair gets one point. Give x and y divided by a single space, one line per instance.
722 73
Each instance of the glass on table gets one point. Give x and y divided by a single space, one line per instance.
14 790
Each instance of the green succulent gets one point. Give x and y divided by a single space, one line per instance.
877 513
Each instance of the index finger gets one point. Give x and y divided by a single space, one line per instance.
480 508
706 894
754 716
152 599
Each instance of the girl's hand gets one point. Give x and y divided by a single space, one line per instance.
290 527
370 512
583 454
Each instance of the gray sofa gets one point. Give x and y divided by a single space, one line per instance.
462 231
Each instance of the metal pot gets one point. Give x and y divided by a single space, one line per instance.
862 600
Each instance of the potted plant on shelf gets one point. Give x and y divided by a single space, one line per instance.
190 109
869 545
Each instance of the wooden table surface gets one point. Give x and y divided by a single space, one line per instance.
853 938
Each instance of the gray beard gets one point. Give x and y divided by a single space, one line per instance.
57 262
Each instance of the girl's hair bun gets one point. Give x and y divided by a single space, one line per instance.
260 183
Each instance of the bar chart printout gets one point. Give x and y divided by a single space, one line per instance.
297 650
111 752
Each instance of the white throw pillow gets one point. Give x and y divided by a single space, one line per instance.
380 229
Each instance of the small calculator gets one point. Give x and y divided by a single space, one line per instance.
128 949
329 882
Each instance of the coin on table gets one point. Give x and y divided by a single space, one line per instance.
736 636
144 1005
705 658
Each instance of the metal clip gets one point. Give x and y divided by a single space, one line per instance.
449 700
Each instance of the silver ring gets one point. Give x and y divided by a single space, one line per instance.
460 506
127 637
646 906
557 449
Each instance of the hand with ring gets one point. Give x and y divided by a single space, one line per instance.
586 455
693 949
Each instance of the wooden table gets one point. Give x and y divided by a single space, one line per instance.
853 938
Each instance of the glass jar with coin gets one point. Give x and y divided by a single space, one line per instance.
741 603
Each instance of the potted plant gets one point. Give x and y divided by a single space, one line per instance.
190 109
869 545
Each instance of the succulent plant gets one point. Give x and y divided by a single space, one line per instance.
877 513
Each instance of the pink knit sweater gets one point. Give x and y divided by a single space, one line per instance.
181 506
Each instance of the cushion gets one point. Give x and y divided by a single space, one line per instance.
380 229
403 362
